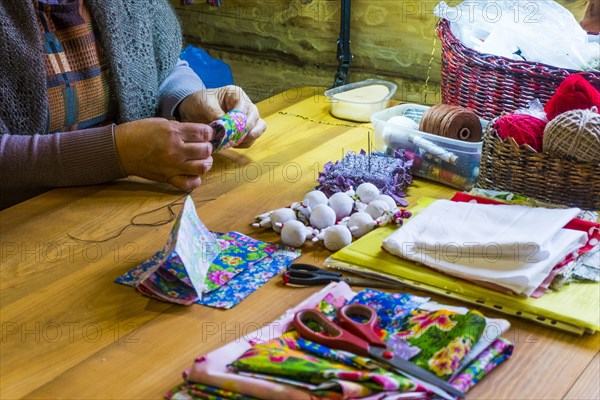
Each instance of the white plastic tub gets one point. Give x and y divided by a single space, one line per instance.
358 101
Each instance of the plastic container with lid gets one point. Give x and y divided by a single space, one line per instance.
358 101
441 159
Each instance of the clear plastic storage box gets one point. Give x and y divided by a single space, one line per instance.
441 159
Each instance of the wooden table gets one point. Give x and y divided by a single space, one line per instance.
70 332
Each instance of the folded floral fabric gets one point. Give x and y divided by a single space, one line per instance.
444 337
251 278
292 351
512 246
243 265
283 357
391 308
238 252
212 368
500 350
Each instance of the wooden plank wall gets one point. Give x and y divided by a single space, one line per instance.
275 45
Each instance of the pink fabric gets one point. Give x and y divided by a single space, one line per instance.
211 369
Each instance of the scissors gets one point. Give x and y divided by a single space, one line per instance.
360 337
309 275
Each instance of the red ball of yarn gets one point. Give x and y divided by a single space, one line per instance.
523 128
574 93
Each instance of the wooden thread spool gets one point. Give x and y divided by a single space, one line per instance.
574 135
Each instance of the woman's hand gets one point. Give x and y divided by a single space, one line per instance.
208 105
165 151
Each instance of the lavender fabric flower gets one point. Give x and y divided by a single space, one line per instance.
391 174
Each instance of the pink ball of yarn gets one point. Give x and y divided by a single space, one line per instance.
523 128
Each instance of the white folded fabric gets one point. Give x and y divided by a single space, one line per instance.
511 246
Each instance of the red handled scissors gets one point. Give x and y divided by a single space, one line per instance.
360 337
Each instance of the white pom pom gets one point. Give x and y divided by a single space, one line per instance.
293 233
322 216
367 192
388 200
376 208
281 216
336 237
360 223
342 204
314 198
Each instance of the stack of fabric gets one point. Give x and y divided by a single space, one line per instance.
513 248
458 345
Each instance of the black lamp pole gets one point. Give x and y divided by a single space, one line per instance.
344 55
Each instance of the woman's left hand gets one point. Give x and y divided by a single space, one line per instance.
207 105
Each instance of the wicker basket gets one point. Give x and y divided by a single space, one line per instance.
489 84
509 167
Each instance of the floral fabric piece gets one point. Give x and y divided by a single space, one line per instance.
500 350
283 357
444 337
251 279
212 368
238 252
177 273
230 130
391 308
242 266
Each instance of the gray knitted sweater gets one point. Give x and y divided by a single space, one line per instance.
142 39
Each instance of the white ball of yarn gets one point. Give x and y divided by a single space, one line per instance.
322 216
388 200
281 216
367 192
376 208
293 233
342 204
314 198
336 237
574 135
360 223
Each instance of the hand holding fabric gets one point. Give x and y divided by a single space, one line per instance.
208 105
165 151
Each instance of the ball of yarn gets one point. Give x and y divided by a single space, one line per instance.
574 93
574 135
336 237
523 128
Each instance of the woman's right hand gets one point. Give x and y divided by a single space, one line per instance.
165 151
